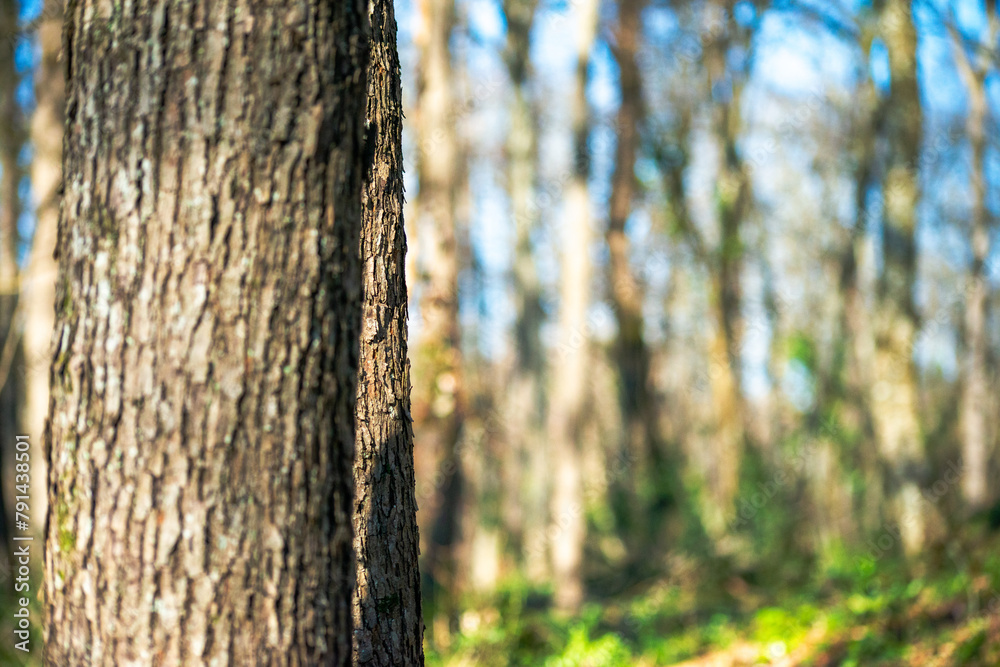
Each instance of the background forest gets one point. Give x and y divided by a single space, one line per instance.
704 323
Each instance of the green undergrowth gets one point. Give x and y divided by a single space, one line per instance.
945 611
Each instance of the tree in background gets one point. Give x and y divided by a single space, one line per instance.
894 394
977 373
438 400
724 41
524 456
388 626
568 391
12 137
208 307
854 369
641 436
39 285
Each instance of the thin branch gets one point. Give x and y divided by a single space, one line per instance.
10 342
840 27
986 51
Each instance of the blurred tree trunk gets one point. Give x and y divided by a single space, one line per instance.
569 377
836 418
857 357
438 395
732 203
208 303
720 467
12 138
631 353
642 434
894 396
39 285
975 401
11 141
524 459
388 626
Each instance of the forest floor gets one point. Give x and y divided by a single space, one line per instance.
945 611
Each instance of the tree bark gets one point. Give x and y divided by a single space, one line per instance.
208 313
388 627
569 384
894 397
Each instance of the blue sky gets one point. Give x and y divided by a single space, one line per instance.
793 59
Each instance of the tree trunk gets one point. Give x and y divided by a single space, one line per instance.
974 406
569 383
632 356
438 364
11 141
853 370
894 396
732 201
388 627
208 312
524 456
38 288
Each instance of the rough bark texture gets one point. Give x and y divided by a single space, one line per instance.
208 311
438 364
38 288
569 377
894 396
388 628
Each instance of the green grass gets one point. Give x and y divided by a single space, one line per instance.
850 614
